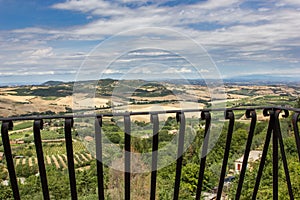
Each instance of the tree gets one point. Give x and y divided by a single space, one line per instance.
6 192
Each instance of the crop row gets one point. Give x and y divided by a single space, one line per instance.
59 161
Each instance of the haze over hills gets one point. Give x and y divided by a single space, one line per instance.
262 79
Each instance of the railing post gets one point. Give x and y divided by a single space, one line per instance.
180 118
284 160
249 114
127 125
155 121
98 138
205 115
275 156
296 132
68 136
6 126
274 126
266 112
37 126
228 115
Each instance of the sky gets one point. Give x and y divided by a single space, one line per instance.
59 40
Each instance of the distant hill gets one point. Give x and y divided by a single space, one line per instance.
263 78
52 83
256 79
11 84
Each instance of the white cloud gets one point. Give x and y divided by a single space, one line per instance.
290 2
234 33
174 70
26 73
216 4
111 71
148 53
45 52
83 6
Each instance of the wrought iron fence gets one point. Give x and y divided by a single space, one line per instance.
273 132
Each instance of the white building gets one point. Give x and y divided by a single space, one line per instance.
253 156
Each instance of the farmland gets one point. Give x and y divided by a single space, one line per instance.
56 98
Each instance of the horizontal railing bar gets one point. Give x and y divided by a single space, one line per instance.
142 113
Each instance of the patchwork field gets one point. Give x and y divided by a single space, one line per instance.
137 95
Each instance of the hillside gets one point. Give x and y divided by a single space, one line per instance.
57 97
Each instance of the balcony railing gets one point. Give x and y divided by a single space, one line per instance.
273 132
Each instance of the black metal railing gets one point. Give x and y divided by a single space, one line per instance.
273 132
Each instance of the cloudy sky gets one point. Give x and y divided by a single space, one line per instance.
49 40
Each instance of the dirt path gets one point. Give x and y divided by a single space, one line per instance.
62 161
18 162
89 156
21 130
30 161
48 160
65 157
83 157
77 159
55 162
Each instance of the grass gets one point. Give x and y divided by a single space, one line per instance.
50 135
45 135
78 147
15 136
54 148
23 125
238 114
60 148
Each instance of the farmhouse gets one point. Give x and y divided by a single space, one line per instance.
253 156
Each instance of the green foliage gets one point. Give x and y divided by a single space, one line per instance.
3 173
152 90
164 136
87 177
58 184
45 91
297 104
6 192
26 170
265 189
23 125
50 135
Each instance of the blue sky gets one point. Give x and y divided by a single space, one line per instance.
49 40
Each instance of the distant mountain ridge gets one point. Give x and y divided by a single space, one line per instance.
52 83
264 77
